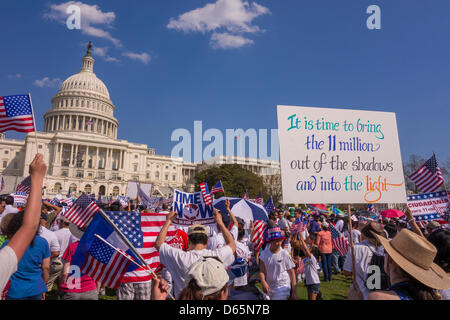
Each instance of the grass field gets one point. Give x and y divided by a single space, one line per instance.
335 290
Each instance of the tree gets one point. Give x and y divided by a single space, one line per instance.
414 163
235 179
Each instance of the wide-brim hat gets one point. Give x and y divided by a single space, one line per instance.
414 254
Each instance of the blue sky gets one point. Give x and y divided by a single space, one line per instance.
229 65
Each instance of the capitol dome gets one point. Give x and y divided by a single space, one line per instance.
82 104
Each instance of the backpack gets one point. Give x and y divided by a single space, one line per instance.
378 260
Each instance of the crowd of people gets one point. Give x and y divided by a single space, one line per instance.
390 259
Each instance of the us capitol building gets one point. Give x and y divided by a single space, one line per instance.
80 146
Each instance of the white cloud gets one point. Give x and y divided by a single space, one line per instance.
228 41
102 52
14 76
47 82
90 15
233 16
142 57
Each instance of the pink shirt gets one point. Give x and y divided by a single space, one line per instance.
323 242
86 283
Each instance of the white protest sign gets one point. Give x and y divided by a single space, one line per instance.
429 206
132 189
191 209
339 156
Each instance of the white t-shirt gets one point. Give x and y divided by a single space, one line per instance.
363 254
339 225
178 261
356 234
217 241
51 239
311 270
63 235
10 209
8 266
277 266
242 251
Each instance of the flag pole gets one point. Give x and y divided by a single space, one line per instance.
350 230
126 256
34 122
125 240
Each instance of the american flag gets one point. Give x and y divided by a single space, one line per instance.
428 177
339 241
16 113
217 188
142 230
259 199
245 196
104 264
90 122
82 210
67 201
24 186
206 195
257 238
269 206
20 198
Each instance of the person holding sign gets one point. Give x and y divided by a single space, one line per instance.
178 261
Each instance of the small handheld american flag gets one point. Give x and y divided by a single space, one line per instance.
428 177
24 186
205 192
16 113
82 211
339 241
218 188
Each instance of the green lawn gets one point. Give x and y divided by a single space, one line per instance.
337 289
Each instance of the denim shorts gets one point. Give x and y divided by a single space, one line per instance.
313 288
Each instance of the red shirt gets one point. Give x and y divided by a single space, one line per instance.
85 283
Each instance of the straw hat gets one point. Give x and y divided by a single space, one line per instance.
414 254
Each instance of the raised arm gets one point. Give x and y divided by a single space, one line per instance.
229 240
232 217
163 233
305 247
23 237
412 222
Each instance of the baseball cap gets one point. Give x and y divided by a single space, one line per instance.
209 273
197 229
325 224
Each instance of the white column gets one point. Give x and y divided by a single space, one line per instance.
86 159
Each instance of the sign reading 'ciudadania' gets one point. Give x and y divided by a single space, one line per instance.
339 156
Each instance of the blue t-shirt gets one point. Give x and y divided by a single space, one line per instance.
28 280
314 227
